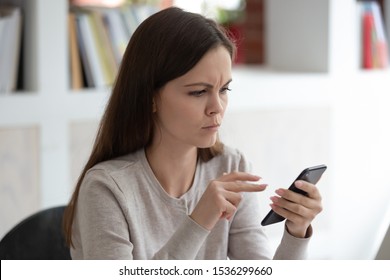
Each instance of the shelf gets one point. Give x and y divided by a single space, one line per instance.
253 88
35 108
260 88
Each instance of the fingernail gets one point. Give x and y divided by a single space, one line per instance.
280 192
298 183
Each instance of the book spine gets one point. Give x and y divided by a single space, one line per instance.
368 34
75 63
11 32
86 65
375 45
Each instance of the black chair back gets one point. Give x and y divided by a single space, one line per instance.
38 237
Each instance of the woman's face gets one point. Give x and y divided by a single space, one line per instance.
189 109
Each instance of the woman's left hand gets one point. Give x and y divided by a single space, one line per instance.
299 210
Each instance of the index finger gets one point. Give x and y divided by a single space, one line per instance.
310 189
244 187
239 176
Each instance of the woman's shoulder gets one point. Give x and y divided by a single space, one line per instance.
230 159
231 152
118 163
113 174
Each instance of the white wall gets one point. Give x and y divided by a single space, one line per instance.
340 121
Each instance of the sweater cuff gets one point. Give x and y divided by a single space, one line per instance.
186 241
292 247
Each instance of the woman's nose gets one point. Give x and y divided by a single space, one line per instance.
216 105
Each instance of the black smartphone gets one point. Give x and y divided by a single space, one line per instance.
311 175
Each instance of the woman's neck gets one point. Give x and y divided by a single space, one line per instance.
174 169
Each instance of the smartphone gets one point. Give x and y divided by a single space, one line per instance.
311 175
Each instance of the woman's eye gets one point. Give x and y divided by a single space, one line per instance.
198 92
224 90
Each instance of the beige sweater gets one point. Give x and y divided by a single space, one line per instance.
124 213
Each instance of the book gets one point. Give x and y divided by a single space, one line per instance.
89 53
104 50
10 47
374 41
117 32
368 34
86 66
75 62
129 18
381 40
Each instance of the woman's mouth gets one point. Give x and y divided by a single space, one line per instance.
212 127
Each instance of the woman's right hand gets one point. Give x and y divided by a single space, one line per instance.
222 197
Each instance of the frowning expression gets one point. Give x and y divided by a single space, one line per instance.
190 108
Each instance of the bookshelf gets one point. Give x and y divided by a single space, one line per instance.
284 117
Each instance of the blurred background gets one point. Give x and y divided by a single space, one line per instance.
310 86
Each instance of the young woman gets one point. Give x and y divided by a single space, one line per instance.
159 184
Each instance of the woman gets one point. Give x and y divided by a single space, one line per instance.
159 184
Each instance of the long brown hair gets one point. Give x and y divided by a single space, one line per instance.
164 47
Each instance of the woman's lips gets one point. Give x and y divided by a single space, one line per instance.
213 127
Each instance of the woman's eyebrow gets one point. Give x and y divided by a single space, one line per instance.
205 84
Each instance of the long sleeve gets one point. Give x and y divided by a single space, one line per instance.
100 230
247 239
185 242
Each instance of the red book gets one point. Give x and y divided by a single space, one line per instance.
368 34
